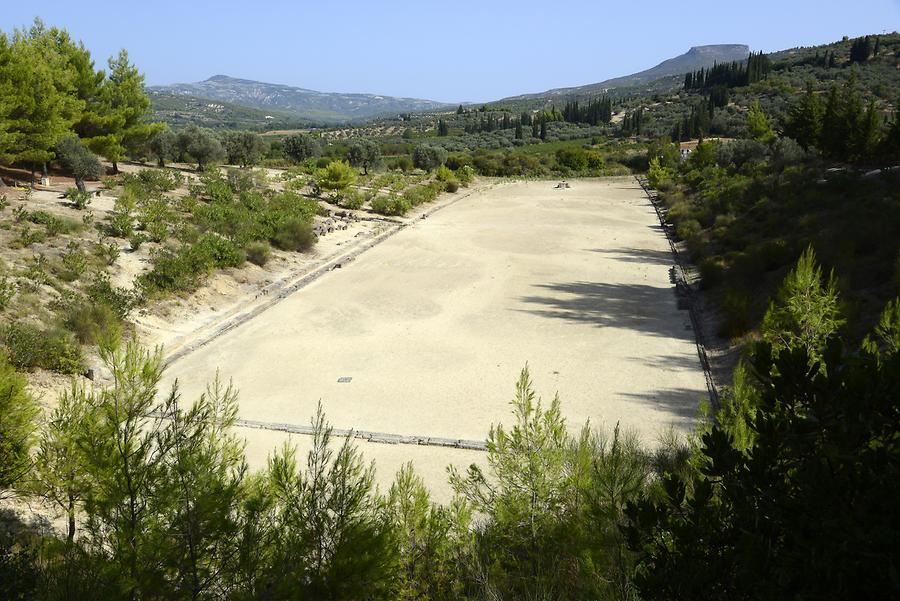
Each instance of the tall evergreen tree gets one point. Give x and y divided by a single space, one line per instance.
126 104
804 121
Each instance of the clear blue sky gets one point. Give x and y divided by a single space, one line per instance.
451 51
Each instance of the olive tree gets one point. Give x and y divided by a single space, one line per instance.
364 153
75 156
428 157
163 146
200 144
243 147
300 147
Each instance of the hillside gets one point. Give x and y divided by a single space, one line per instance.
296 102
695 58
179 110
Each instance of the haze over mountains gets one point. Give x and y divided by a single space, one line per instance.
308 104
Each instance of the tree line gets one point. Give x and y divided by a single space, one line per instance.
50 90
731 75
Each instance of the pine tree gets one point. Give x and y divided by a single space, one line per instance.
758 125
44 100
127 105
804 121
806 311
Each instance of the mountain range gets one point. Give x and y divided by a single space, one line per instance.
299 102
278 101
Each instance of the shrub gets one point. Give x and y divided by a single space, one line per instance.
159 180
353 199
402 163
93 322
80 200
458 161
572 158
135 240
258 253
219 252
656 173
465 175
175 271
121 224
29 347
74 261
109 253
443 174
336 177
7 291
294 234
452 186
391 205
120 300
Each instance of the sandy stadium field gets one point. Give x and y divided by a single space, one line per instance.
433 325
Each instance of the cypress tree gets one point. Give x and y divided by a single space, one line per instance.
543 130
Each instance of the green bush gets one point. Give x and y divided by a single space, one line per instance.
294 234
465 175
443 174
29 347
120 300
421 194
258 252
391 205
7 291
219 252
572 158
93 323
353 199
80 200
451 186
402 163
155 180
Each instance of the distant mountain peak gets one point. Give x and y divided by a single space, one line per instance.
695 58
731 49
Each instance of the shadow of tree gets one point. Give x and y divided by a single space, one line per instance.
648 309
637 255
675 362
682 402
